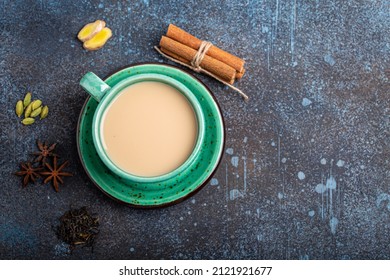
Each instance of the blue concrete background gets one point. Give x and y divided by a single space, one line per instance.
305 174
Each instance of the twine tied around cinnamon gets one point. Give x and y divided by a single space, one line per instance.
195 65
204 47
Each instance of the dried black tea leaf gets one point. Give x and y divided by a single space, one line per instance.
78 227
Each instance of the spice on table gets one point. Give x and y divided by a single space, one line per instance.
44 112
187 39
28 121
36 112
78 227
35 104
99 40
222 70
201 56
54 173
19 108
90 30
30 109
40 167
45 151
94 35
29 172
27 99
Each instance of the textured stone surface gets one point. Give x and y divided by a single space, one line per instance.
305 174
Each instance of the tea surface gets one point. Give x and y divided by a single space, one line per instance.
149 129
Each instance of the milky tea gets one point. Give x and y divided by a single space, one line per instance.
149 129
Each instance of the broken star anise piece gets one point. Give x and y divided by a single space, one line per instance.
29 172
45 151
54 173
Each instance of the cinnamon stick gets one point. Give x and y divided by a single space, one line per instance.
218 68
240 74
187 39
175 56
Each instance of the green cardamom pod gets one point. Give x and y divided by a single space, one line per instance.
28 110
19 108
36 112
27 99
28 121
36 104
44 112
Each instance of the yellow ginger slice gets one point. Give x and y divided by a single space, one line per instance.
98 41
90 30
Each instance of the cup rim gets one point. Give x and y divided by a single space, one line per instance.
112 93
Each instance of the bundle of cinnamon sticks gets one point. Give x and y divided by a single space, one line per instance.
182 46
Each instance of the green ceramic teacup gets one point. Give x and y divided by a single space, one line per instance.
104 94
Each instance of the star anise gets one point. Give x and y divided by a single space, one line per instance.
54 173
45 151
29 172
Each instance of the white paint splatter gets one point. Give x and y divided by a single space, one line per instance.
132 249
320 188
340 163
235 161
234 194
280 196
301 175
229 151
244 160
331 183
329 59
323 161
383 197
279 150
311 213
227 181
293 19
284 160
214 182
333 223
306 102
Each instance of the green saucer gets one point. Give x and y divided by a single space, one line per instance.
165 192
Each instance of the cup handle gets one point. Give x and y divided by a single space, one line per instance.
94 86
